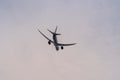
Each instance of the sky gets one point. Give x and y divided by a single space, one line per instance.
92 24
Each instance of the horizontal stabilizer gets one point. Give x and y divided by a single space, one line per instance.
54 32
50 31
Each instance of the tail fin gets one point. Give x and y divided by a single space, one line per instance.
54 33
56 29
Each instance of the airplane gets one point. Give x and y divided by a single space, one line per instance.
55 41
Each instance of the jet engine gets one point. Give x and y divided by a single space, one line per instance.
62 47
49 42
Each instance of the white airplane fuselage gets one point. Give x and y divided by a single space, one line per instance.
55 42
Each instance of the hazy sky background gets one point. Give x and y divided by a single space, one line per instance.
93 24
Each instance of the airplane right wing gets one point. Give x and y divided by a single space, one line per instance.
59 44
46 37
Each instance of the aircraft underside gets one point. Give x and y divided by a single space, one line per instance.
54 41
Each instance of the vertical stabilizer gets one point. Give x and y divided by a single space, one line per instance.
56 29
54 33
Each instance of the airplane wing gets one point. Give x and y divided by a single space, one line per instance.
59 44
45 36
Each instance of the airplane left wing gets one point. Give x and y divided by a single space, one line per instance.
46 37
59 44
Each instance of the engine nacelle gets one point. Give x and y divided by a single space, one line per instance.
62 47
49 42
